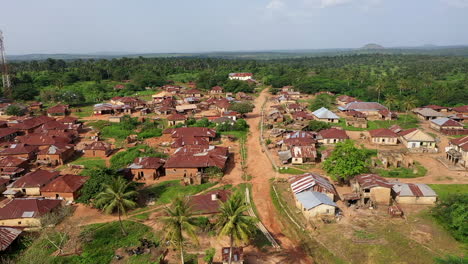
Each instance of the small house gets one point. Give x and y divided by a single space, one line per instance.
31 183
383 136
312 182
216 90
325 115
417 141
55 155
457 151
413 193
58 110
368 108
20 151
372 188
208 203
427 113
303 154
64 187
444 123
242 76
147 168
175 119
97 149
8 235
332 136
314 204
27 212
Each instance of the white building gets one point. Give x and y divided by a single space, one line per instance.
242 76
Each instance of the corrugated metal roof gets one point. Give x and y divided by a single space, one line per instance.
311 200
413 189
324 113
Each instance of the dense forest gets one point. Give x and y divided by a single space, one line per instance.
398 80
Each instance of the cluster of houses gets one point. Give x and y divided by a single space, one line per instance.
30 147
448 121
177 104
316 197
192 153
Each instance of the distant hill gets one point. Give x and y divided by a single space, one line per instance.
459 50
373 46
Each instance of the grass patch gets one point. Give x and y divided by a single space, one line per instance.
85 111
260 241
404 121
166 192
89 162
143 216
403 172
289 170
361 234
444 190
237 134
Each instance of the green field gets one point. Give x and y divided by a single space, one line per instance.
443 190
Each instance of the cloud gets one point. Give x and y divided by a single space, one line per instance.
326 3
275 4
456 3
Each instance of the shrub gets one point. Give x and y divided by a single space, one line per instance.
452 213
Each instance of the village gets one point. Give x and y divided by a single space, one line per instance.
271 145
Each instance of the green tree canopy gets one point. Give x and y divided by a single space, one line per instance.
15 110
118 196
315 125
242 107
95 184
346 161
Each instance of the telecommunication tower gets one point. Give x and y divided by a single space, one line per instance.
4 68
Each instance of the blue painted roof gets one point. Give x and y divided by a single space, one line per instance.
311 199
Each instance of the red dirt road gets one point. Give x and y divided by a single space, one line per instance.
262 171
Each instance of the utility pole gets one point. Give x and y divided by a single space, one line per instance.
4 68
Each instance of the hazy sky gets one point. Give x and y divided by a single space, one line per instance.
84 26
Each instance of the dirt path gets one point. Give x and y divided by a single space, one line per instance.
262 171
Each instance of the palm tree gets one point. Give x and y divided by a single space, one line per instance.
390 101
379 88
179 219
409 102
232 221
117 196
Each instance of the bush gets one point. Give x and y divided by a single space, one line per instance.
242 108
452 213
315 125
95 184
15 110
124 158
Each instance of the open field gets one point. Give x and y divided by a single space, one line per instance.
371 236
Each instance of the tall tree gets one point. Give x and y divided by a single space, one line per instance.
233 221
390 101
117 196
346 161
179 219
408 103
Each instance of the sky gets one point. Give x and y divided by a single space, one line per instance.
161 26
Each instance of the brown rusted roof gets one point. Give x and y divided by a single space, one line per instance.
204 203
35 139
147 163
382 132
97 145
7 236
58 109
367 181
333 133
7 131
195 156
11 161
17 149
28 208
461 142
36 178
65 184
